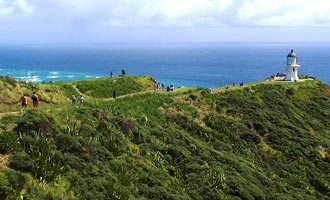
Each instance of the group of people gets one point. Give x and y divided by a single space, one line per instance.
227 86
74 99
123 72
35 100
161 87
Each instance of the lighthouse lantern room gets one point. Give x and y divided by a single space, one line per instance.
292 66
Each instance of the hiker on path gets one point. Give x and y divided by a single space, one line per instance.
73 100
172 87
81 99
155 86
114 94
35 100
111 73
24 101
123 72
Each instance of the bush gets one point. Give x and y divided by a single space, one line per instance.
9 142
193 97
11 184
5 188
21 161
8 79
290 91
36 121
43 152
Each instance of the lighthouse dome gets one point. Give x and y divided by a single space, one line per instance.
292 54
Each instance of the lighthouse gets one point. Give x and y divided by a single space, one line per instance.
292 66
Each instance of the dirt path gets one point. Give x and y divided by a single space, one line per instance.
4 161
215 90
229 88
5 114
236 87
127 95
78 91
136 93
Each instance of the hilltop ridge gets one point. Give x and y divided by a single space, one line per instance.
260 141
60 92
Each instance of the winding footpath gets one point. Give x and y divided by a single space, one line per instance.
213 91
6 114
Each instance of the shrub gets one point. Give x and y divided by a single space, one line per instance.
11 184
193 97
35 121
9 142
8 79
21 161
5 189
43 152
290 91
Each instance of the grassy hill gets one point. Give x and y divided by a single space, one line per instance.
60 93
260 141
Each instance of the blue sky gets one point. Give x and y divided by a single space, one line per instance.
163 21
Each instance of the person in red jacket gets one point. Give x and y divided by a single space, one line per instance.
24 101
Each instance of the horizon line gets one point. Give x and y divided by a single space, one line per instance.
159 43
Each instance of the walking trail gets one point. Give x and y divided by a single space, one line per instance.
5 114
215 90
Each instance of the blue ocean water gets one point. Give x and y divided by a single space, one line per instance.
204 65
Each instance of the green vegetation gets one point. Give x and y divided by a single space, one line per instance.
103 88
262 141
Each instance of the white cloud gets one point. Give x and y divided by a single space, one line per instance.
10 7
5 8
285 13
207 13
23 6
86 19
186 13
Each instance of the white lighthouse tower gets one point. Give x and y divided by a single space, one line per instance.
292 66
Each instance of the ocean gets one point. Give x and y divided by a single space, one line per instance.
203 65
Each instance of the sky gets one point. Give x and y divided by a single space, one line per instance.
163 21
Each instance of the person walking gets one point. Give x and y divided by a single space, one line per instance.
81 99
35 100
73 100
24 102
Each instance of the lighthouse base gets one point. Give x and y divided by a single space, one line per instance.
291 73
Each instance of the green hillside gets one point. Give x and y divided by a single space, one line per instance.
261 141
